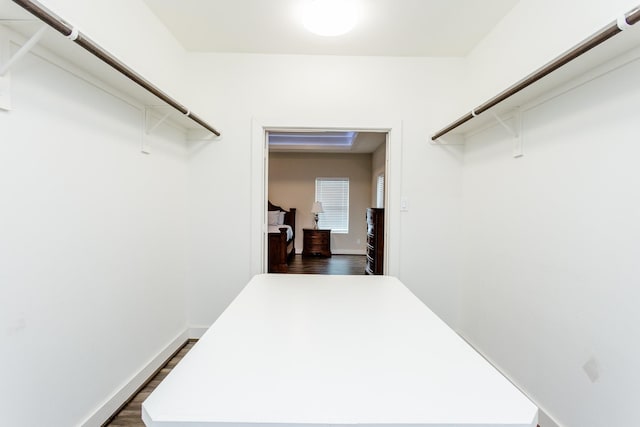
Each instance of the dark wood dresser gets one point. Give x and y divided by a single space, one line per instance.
375 241
316 242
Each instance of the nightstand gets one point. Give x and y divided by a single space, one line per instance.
316 242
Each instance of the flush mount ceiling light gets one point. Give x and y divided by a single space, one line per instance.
329 17
280 141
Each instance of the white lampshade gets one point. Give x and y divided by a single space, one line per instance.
317 208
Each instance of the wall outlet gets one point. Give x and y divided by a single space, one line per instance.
592 369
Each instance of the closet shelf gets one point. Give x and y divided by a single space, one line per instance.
64 41
612 41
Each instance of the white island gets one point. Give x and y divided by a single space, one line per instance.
334 350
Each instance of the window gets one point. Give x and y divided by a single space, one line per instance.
333 193
380 191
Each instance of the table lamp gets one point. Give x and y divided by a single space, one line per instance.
315 210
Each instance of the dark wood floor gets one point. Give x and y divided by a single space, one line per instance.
131 415
337 264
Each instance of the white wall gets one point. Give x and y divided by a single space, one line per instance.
551 278
99 278
567 292
92 253
292 183
234 88
96 285
551 239
132 33
532 34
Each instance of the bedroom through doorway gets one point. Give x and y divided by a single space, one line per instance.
326 197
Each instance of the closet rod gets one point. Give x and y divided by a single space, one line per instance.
596 39
58 24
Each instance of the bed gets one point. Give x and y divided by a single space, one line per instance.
281 235
308 350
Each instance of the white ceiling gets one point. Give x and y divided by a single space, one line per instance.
386 28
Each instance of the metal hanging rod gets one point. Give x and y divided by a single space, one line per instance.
61 26
629 19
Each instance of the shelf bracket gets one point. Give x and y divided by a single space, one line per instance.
514 131
5 67
5 93
148 118
23 50
148 125
518 143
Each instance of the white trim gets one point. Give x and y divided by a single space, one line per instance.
111 404
393 197
340 251
196 332
544 418
257 213
259 154
348 252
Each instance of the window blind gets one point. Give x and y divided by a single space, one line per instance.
380 191
333 193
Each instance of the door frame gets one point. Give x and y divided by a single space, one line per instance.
258 257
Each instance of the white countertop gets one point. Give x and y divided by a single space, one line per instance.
334 350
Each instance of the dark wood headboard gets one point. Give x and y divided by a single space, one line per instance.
289 215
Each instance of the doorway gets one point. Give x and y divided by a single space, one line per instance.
329 180
260 187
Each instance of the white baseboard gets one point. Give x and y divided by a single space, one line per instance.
544 420
348 252
341 252
111 404
193 332
196 332
126 391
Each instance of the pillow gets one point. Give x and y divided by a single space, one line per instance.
280 218
273 217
